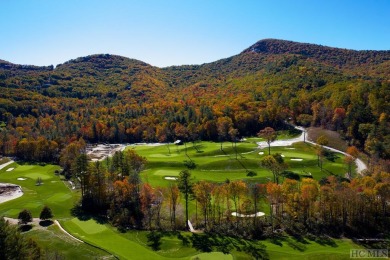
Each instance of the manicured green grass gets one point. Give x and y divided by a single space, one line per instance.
215 165
52 240
212 256
133 245
53 192
130 245
290 248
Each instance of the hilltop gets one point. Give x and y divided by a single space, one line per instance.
109 98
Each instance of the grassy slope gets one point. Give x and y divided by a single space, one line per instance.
216 165
133 245
130 245
54 240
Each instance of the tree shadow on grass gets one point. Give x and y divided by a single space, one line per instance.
325 241
198 148
83 215
25 228
46 223
154 240
331 156
297 244
201 242
276 241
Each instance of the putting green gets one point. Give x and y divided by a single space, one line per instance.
36 175
89 227
172 172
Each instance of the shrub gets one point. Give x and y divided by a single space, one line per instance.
290 175
46 213
25 216
251 174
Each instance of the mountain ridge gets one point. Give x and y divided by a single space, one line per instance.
265 46
111 98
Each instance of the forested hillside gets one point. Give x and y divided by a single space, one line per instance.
108 98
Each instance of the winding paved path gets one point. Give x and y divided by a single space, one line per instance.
361 166
6 164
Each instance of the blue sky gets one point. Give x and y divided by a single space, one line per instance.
176 32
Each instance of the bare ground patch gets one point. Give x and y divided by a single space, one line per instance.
334 138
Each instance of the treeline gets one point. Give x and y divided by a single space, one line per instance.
363 122
107 98
333 206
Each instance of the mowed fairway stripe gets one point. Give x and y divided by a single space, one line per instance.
112 241
338 249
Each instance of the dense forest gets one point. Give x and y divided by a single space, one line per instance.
50 114
108 98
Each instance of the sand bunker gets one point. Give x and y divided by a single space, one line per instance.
10 169
9 192
261 153
101 151
151 144
282 155
21 179
170 178
296 159
258 214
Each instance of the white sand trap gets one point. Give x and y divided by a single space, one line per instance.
261 153
151 144
170 178
290 148
258 214
10 169
9 192
21 179
296 159
282 155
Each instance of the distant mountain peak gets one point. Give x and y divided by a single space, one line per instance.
330 55
276 46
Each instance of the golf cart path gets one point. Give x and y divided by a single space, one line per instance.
35 222
66 232
361 166
6 164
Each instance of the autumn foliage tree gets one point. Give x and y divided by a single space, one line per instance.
269 134
352 154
